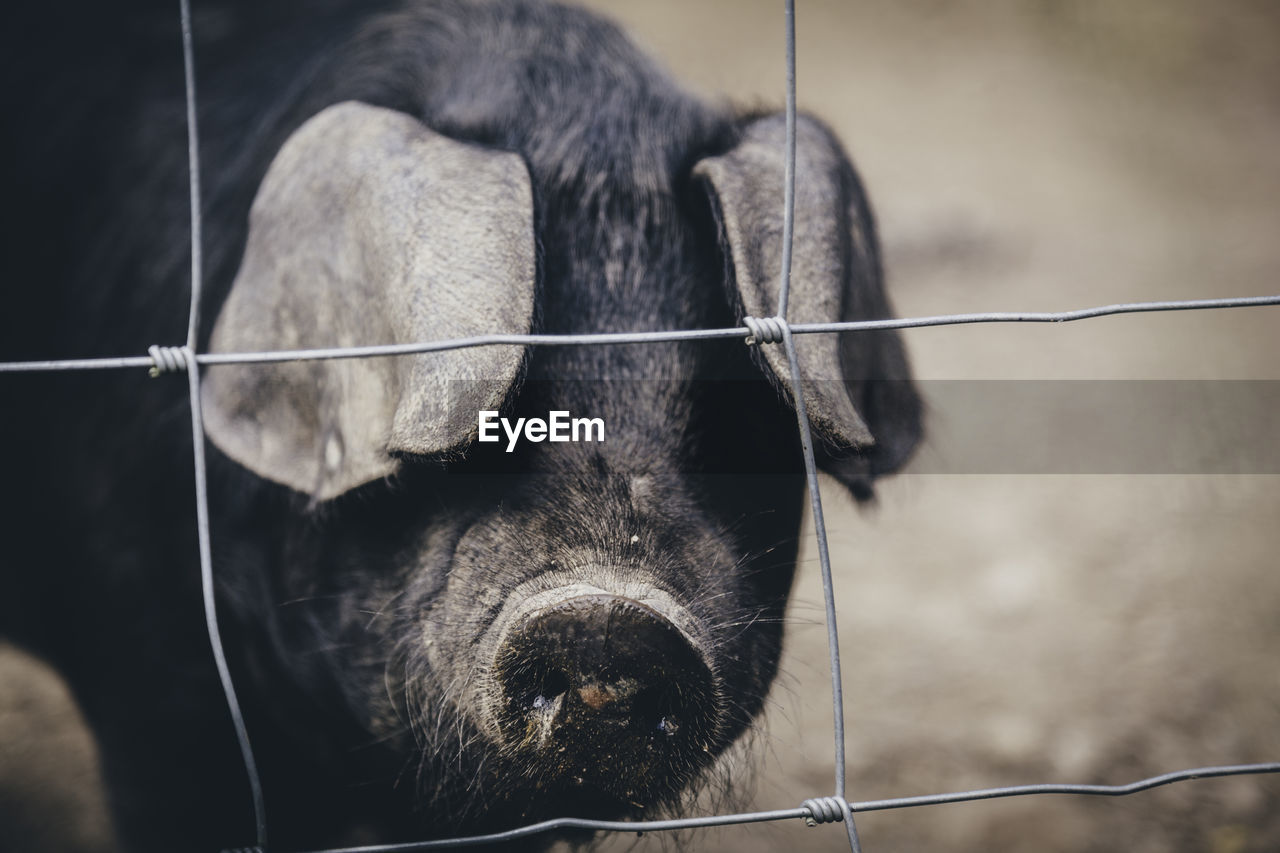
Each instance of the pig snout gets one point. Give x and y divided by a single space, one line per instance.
607 691
599 667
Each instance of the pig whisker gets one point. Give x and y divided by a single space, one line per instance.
381 610
307 599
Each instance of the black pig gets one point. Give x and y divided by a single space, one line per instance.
430 635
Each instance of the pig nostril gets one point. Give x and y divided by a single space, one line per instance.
551 686
655 713
532 685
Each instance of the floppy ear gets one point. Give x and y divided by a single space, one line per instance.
857 385
369 228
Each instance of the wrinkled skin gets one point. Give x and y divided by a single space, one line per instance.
371 636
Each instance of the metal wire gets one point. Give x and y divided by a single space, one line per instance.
789 167
210 609
164 359
326 353
828 590
779 323
193 175
761 331
805 812
1088 790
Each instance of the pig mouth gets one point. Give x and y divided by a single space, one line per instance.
602 690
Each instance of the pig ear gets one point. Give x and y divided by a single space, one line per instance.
369 228
857 385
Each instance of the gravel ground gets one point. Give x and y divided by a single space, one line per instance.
1065 617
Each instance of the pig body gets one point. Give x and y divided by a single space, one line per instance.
466 639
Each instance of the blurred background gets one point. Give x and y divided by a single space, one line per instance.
1074 620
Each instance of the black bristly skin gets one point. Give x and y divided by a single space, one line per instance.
352 626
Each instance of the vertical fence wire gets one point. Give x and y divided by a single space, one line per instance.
197 435
193 175
806 436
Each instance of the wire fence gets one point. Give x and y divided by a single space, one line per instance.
757 331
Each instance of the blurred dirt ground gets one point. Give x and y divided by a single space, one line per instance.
997 629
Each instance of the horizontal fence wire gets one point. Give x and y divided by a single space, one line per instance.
807 812
599 338
161 359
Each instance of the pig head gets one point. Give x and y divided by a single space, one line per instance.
565 628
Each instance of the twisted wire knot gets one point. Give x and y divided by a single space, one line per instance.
764 330
823 810
169 359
